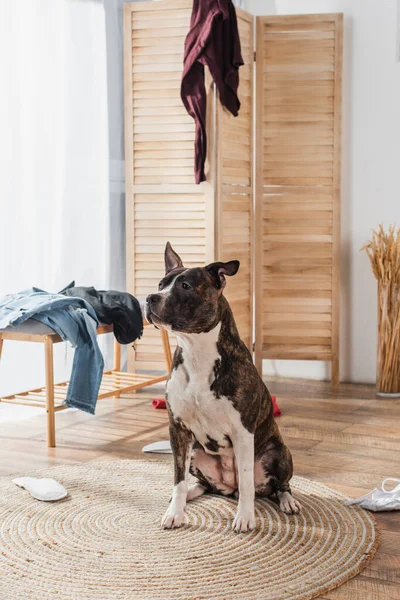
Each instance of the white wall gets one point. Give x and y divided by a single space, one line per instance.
260 7
371 165
114 43
54 193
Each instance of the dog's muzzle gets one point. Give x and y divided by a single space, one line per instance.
151 303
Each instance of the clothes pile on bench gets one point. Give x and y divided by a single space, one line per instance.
75 314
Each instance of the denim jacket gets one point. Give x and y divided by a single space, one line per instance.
75 321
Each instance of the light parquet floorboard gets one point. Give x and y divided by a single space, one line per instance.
349 440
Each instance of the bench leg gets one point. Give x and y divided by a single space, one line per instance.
48 352
167 349
335 373
117 356
117 362
1 348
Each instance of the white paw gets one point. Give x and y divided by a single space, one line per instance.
244 520
173 518
288 504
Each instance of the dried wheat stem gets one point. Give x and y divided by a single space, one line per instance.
384 255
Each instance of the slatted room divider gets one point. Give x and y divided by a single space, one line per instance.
234 186
298 188
296 242
204 223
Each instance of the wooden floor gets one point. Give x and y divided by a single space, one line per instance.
349 440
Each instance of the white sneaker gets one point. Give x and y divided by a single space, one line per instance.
381 499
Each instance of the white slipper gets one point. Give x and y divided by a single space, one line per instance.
381 499
47 490
163 447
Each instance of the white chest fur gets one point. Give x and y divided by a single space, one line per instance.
191 398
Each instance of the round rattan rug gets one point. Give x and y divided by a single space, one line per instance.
104 542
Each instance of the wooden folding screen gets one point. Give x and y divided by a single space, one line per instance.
296 243
298 82
234 186
204 222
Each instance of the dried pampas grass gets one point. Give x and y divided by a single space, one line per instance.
384 254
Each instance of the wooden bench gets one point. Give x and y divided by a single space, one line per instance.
52 396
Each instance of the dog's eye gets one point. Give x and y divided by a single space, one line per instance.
160 285
186 286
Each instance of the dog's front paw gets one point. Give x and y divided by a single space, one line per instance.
244 520
288 504
173 518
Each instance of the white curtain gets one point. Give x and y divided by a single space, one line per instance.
54 158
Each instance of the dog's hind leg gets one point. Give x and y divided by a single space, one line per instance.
278 467
207 470
195 491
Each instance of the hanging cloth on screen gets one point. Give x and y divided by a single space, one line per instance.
213 40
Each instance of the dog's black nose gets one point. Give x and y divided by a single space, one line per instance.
152 299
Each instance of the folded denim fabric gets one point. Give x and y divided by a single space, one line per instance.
75 321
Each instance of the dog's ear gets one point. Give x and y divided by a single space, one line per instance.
218 270
171 259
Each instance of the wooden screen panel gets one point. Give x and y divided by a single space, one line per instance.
181 219
298 187
163 132
234 150
162 202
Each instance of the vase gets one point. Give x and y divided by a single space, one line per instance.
388 357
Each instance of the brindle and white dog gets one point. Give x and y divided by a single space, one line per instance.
222 427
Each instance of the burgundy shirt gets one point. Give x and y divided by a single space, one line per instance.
213 40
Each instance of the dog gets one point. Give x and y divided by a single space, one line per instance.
222 428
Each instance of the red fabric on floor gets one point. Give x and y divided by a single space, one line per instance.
158 403
277 410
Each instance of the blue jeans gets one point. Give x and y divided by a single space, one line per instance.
75 321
